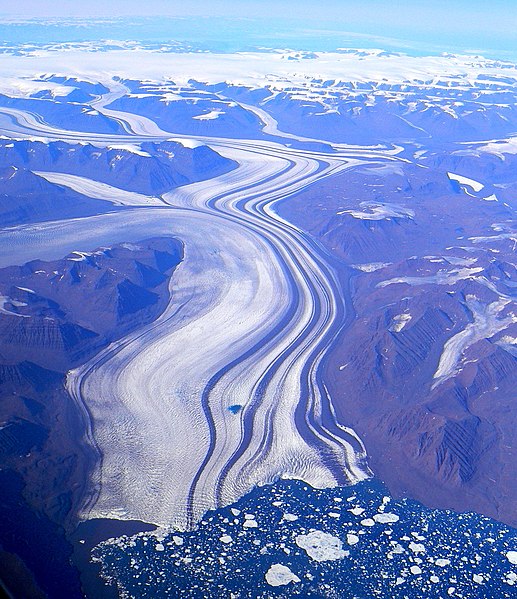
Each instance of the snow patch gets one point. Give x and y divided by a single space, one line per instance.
133 148
210 116
399 322
379 211
186 142
475 185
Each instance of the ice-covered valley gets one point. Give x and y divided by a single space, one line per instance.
343 305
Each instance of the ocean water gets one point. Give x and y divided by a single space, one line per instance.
234 34
361 544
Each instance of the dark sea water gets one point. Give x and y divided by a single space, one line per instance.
392 549
36 540
88 535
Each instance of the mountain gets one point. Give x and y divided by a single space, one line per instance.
426 368
148 168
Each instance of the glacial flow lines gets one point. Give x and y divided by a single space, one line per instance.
223 391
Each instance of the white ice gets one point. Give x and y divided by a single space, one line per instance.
486 323
399 322
280 575
321 546
7 300
209 116
100 191
475 185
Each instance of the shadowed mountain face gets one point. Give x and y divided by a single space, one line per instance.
26 197
193 109
430 112
150 169
55 316
58 111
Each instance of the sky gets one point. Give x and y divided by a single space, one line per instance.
471 24
460 14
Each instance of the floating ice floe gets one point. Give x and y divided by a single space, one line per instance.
417 547
321 546
386 518
226 539
368 522
289 517
441 562
279 575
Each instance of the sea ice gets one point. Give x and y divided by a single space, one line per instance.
442 562
321 546
290 517
416 547
386 518
368 522
279 575
226 539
